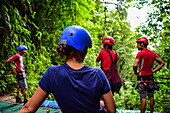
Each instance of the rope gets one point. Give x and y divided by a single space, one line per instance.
140 81
161 77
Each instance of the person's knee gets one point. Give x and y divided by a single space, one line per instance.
152 102
143 102
18 87
151 99
25 90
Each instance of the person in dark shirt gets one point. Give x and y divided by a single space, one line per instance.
77 88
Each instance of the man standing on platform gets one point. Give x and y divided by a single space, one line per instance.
21 75
144 60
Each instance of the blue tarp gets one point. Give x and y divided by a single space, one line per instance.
6 107
51 104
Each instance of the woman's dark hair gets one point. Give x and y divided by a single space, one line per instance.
109 46
70 51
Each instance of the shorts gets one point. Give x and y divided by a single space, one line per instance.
144 94
21 80
148 91
22 83
115 87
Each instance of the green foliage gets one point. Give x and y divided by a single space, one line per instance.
39 23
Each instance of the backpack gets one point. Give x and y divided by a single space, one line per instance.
113 75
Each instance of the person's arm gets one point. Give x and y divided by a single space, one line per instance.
160 65
35 102
135 66
9 66
102 47
13 58
117 58
109 103
99 56
97 60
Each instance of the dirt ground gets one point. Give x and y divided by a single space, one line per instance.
8 98
11 99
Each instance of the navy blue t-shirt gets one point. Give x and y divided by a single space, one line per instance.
76 91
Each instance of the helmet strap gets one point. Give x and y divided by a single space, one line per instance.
142 46
106 47
20 52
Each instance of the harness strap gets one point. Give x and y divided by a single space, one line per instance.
20 71
146 77
111 57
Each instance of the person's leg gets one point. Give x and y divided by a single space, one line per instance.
18 99
151 96
143 105
18 90
18 86
143 100
152 103
25 93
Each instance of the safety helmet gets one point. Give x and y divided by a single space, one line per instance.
77 37
142 39
109 40
22 47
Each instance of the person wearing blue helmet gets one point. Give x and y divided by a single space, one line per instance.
20 73
77 88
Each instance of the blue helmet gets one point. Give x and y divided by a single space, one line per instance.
22 47
77 37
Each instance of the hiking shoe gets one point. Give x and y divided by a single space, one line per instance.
18 100
25 101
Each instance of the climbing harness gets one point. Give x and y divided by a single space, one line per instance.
142 87
150 86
